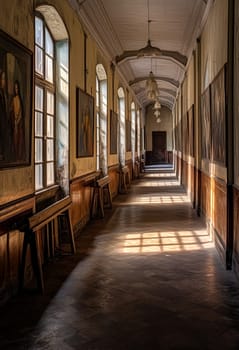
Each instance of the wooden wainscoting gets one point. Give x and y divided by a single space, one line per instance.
12 218
219 209
235 260
81 196
114 179
206 196
130 166
192 184
185 167
219 216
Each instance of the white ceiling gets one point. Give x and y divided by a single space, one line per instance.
121 27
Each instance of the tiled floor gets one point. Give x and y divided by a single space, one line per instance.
146 277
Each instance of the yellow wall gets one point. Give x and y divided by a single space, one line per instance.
190 84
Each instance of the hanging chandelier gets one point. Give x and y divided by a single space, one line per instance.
157 113
156 109
149 50
157 104
152 86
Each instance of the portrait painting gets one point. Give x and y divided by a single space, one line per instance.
113 132
190 115
15 103
128 135
218 115
206 124
85 124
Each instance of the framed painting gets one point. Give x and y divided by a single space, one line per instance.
218 116
128 135
191 131
15 103
84 124
113 132
206 124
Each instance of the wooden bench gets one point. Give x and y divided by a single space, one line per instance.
101 197
124 179
9 215
47 218
90 180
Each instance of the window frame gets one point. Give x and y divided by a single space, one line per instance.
101 119
41 81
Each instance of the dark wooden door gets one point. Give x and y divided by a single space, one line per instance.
159 146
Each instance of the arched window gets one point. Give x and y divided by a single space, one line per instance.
101 119
138 133
133 117
121 113
51 100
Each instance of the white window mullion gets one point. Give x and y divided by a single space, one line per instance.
44 107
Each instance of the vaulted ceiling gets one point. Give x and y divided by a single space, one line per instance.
122 27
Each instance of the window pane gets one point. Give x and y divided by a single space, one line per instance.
50 126
50 103
104 104
49 44
64 87
38 176
97 93
38 124
50 150
49 69
38 60
64 73
39 31
39 98
38 150
63 135
50 174
97 141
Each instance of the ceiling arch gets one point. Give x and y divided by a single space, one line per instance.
157 78
173 55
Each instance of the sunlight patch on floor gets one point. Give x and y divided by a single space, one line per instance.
158 199
166 183
173 241
160 175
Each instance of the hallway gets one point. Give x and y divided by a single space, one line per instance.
147 276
